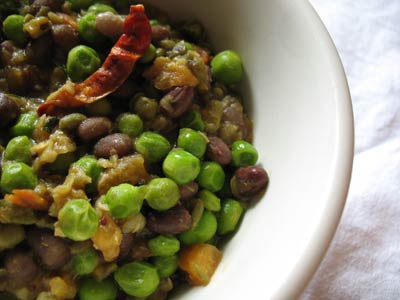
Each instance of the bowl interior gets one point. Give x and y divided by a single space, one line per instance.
296 92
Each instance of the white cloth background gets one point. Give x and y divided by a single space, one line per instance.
363 262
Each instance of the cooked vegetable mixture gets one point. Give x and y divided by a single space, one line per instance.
126 153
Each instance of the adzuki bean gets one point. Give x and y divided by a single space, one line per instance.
117 143
53 252
9 110
177 102
20 267
188 190
65 36
159 33
109 24
126 245
94 128
248 182
173 221
218 151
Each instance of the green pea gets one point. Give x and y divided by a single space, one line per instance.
210 200
25 125
71 122
149 55
202 232
181 166
153 146
130 124
13 29
98 8
145 107
192 119
11 235
229 216
166 265
211 176
80 4
124 200
162 194
78 220
137 279
17 175
82 61
99 108
154 22
164 245
92 168
189 46
243 154
85 262
19 149
227 67
91 289
168 44
87 29
192 141
62 163
160 52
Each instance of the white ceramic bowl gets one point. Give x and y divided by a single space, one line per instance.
296 92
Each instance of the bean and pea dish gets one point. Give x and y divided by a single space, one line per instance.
126 154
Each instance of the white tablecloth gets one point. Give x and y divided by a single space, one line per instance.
363 262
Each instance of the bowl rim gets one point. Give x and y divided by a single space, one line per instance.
338 191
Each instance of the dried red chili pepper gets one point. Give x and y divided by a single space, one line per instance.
132 44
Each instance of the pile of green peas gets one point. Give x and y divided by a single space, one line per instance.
161 194
179 160
17 171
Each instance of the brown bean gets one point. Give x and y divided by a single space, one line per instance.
20 267
109 24
173 221
126 245
64 36
188 190
159 33
117 143
9 110
53 252
218 151
94 128
248 182
177 102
